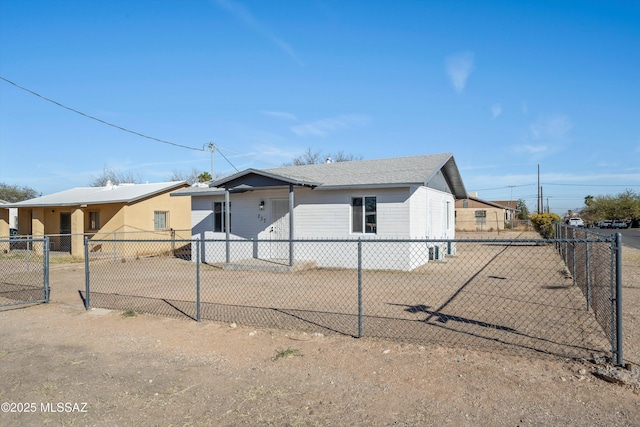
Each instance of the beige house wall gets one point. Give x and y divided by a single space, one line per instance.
136 221
112 220
140 216
4 229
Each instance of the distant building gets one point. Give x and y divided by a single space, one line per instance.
474 214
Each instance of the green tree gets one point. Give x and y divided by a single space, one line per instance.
14 193
543 224
625 205
204 177
522 212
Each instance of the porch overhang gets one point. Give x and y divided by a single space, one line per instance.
255 179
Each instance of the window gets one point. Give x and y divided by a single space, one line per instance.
481 214
160 220
94 220
219 217
364 215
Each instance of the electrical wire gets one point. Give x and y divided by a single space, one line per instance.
100 120
502 188
248 157
225 157
594 185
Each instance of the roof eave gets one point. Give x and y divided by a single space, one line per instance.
452 176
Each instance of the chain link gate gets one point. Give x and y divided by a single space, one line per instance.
24 271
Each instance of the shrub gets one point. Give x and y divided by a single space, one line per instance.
543 224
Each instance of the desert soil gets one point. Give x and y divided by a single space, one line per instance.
62 365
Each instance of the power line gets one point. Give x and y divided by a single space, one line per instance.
225 157
506 186
99 120
244 155
594 185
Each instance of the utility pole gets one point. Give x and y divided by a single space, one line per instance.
512 205
539 192
212 148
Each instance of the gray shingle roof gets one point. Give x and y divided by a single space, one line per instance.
399 171
124 193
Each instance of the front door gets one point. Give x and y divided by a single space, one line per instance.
279 228
65 231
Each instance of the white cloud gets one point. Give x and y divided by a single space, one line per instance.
459 68
545 136
532 149
496 110
325 126
280 115
241 13
551 128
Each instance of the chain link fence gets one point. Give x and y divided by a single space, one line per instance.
506 295
596 268
24 271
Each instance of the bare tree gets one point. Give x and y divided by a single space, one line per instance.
189 176
315 157
115 177
14 194
341 156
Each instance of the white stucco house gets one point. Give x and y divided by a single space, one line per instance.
397 198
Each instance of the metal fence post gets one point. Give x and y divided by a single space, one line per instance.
29 244
573 259
47 290
198 281
618 299
588 267
87 303
359 288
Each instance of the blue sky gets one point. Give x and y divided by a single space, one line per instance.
503 85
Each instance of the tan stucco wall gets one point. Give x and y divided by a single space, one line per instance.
77 239
4 229
4 222
139 216
111 219
466 219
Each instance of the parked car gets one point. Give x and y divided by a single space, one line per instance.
576 222
618 223
604 224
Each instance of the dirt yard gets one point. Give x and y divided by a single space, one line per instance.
62 365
